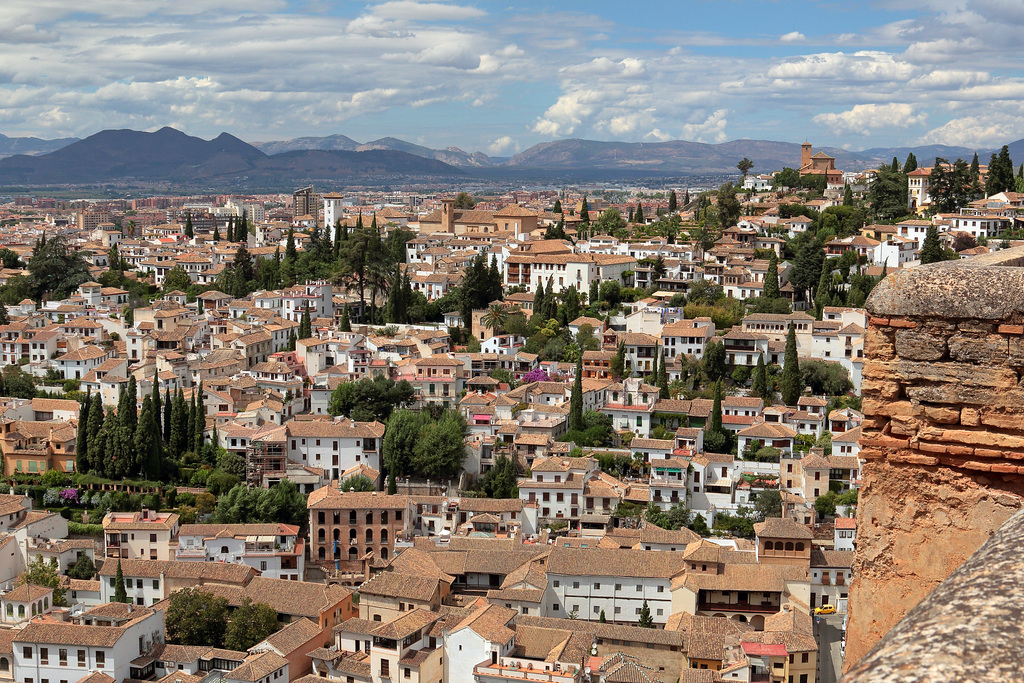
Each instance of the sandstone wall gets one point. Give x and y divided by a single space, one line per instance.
943 432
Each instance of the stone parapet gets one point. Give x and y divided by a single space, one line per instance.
943 434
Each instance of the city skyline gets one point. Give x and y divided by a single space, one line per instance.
500 78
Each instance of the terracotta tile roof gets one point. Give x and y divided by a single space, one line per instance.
400 585
406 624
257 667
777 527
623 563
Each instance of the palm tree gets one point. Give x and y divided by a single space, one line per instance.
495 317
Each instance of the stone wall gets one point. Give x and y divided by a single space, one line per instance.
943 435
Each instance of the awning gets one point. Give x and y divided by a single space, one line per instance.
265 539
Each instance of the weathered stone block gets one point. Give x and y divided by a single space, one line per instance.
988 349
1003 420
970 417
920 344
942 415
886 389
879 343
1010 329
902 322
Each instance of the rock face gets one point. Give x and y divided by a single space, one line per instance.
943 431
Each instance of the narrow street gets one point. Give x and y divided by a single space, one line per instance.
828 630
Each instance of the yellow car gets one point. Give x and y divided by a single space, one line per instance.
825 609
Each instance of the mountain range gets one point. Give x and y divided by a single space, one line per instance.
168 155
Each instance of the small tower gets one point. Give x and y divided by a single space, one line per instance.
448 216
805 154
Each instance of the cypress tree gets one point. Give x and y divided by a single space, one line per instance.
771 278
189 233
82 438
848 196
584 212
638 217
663 378
200 419
190 428
392 486
157 405
595 293
550 300
120 593
759 386
147 449
976 189
790 382
576 398
291 340
179 425
672 202
557 208
538 302
346 323
168 419
289 249
653 376
96 445
619 361
305 325
931 249
823 290
216 233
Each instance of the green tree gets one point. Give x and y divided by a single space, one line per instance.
848 195
618 365
931 249
440 450
638 217
910 164
576 398
357 482
195 617
464 200
744 166
369 399
120 593
584 212
790 383
888 194
243 505
768 504
976 190
771 289
645 621
601 619
1000 173
610 221
662 380
672 202
714 361
346 323
177 279
55 271
556 231
147 444
83 569
250 623
189 232
305 324
501 481
557 208
715 438
759 387
728 206
42 573
82 436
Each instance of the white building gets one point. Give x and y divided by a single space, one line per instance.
334 446
275 550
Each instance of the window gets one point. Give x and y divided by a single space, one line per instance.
101 658
597 586
27 652
661 589
81 658
557 584
156 584
407 673
152 538
804 658
62 657
385 668
639 588
575 584
44 655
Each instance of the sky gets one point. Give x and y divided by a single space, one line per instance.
498 77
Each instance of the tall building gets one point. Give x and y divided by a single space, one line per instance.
306 202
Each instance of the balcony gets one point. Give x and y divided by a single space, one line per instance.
706 606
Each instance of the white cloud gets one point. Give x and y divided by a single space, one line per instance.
793 37
502 145
711 129
866 118
983 130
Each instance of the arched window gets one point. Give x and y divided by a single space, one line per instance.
351 534
789 545
337 550
383 536
223 550
369 535
768 545
10 610
337 534
321 553
384 517
33 609
353 554
800 547
351 516
384 553
21 611
320 535
369 517
46 603
4 664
